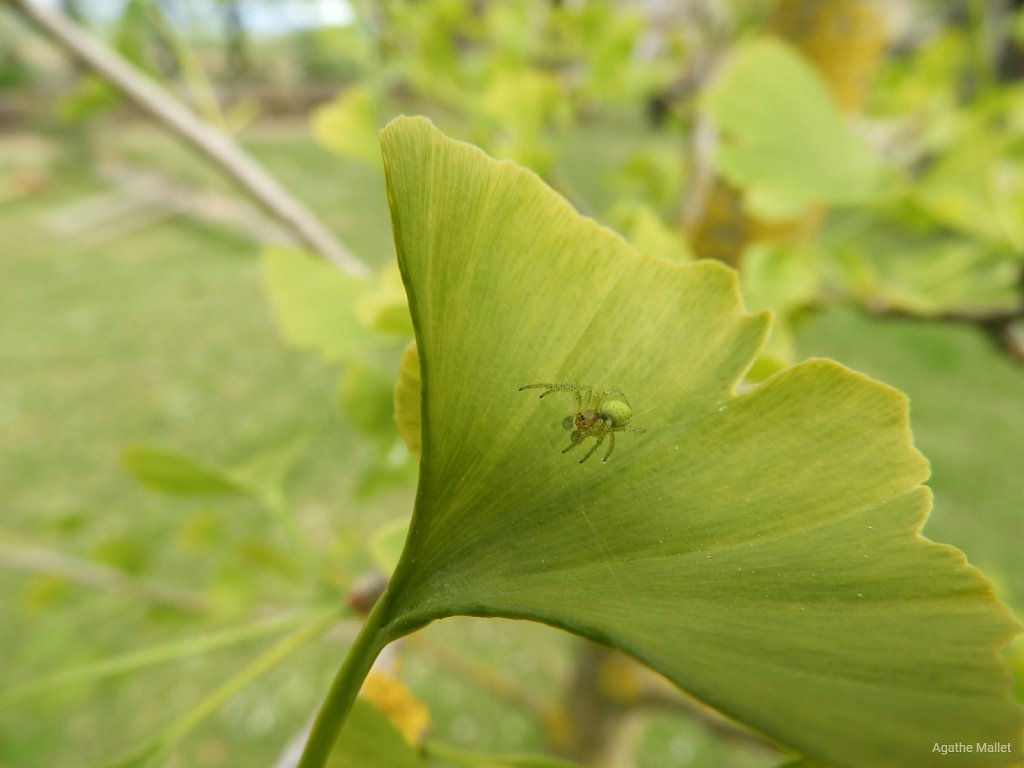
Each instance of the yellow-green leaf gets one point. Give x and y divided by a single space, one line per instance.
784 139
762 550
313 303
348 125
370 740
175 473
407 399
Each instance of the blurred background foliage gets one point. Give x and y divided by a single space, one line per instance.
201 472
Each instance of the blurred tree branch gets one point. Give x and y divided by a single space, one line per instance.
604 695
49 562
218 146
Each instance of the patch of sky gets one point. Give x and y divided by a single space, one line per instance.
260 17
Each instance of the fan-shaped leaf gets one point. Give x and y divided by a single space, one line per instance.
370 740
761 550
785 141
176 473
313 303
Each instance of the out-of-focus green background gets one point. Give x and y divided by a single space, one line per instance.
127 320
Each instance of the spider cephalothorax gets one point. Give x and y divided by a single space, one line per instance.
598 414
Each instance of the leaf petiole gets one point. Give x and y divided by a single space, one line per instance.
332 715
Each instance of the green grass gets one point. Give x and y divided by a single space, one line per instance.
163 336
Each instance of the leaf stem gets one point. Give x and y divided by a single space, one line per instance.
267 661
175 732
162 654
329 721
51 562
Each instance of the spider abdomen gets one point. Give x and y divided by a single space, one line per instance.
617 412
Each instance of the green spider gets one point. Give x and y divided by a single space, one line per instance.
605 413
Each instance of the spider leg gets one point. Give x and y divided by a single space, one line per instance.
548 388
543 385
551 387
597 443
581 393
577 438
611 445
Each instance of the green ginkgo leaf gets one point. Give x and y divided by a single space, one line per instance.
408 403
176 473
313 303
761 550
370 740
784 139
262 476
348 125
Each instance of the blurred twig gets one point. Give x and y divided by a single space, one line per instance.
483 675
169 737
49 562
197 84
142 198
130 663
218 146
604 695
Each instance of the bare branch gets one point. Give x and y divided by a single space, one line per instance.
49 562
182 122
